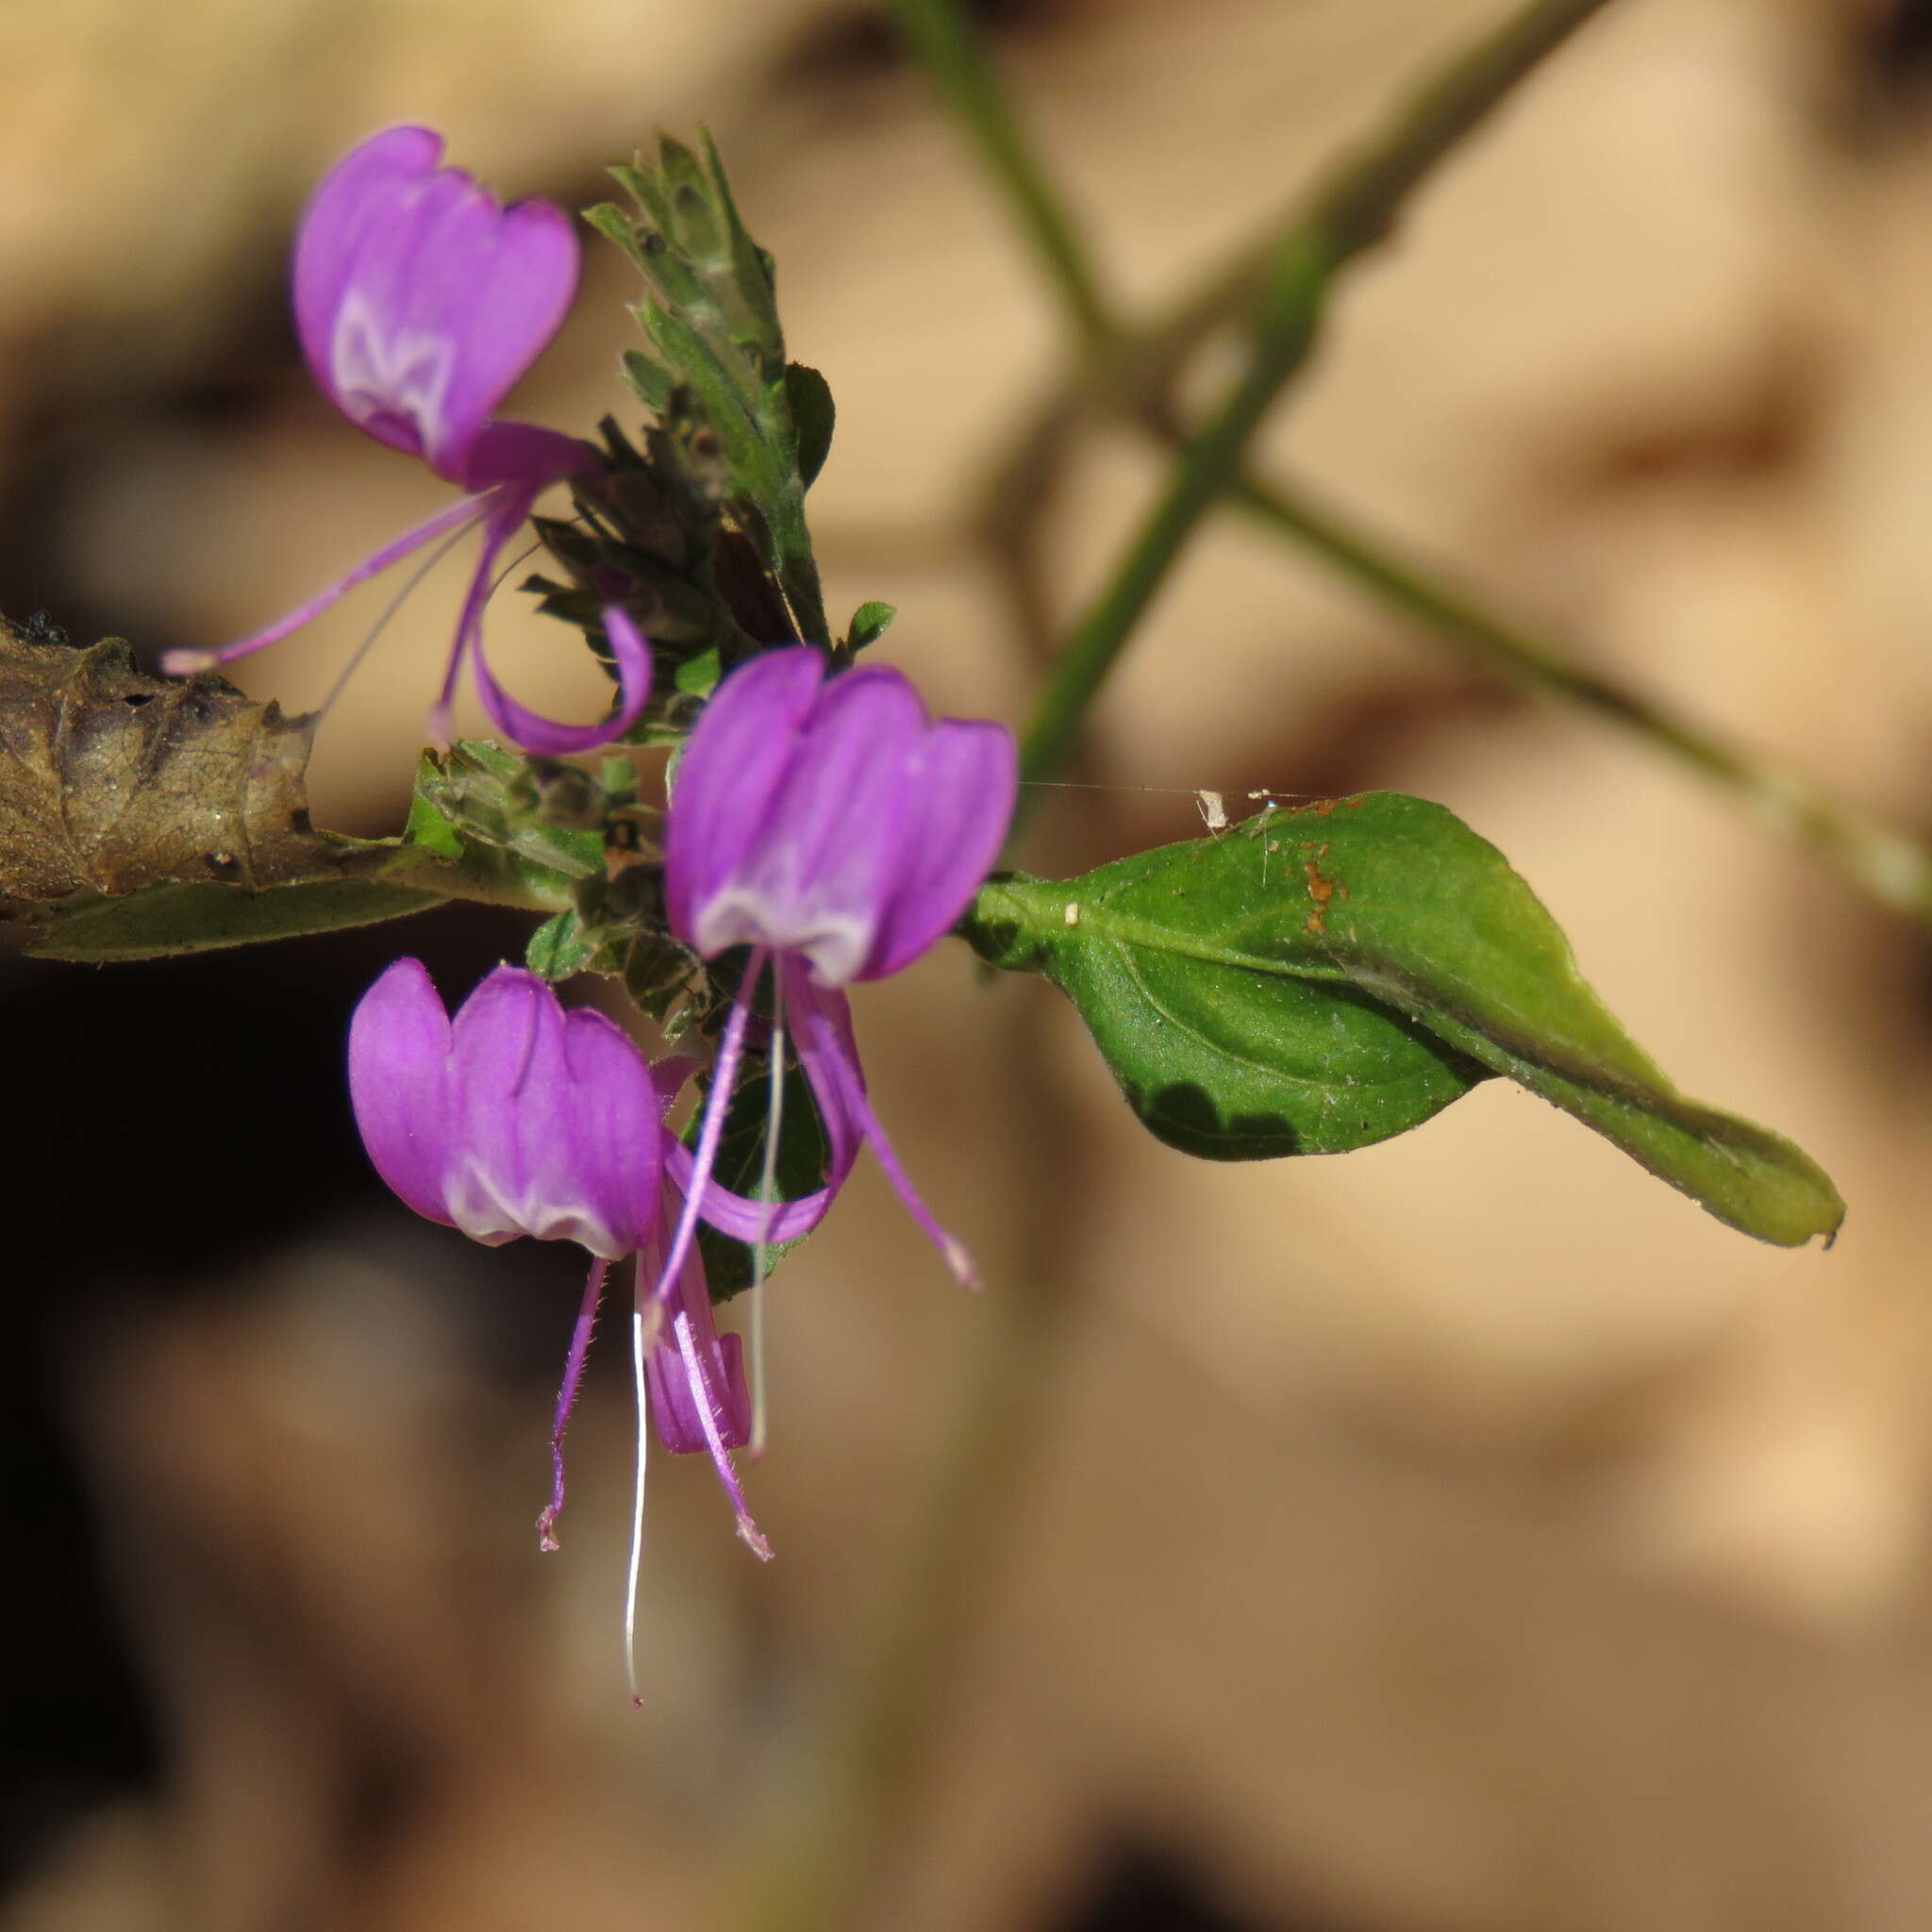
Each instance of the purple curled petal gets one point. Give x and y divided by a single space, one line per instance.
735 762
530 729
399 1045
955 807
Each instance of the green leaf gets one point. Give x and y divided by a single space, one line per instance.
558 948
711 319
870 623
1320 978
803 1153
812 416
698 676
163 921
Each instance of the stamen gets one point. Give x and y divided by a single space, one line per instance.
706 1401
459 515
637 1348
768 1191
566 1398
826 1055
724 1077
390 609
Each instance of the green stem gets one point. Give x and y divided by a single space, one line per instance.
1353 208
1895 870
1208 464
942 37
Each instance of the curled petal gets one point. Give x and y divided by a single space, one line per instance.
399 1044
548 737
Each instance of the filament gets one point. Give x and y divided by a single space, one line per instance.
761 1248
390 609
637 1508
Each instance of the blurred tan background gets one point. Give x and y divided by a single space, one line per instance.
1465 1533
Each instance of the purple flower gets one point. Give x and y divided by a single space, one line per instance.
835 829
420 302
517 1118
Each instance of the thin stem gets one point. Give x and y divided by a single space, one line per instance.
1353 208
945 40
1894 869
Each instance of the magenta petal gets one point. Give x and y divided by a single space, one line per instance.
561 1136
420 300
815 884
734 765
953 810
831 821
523 453
358 196
399 1044
669 1077
746 1219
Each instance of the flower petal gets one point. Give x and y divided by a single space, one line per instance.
817 881
363 191
559 1124
813 881
953 814
734 765
399 1044
420 300
547 736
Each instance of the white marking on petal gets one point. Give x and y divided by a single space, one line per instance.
835 941
378 370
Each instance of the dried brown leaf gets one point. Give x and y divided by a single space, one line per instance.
111 779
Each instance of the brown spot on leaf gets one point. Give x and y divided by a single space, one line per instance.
1321 891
